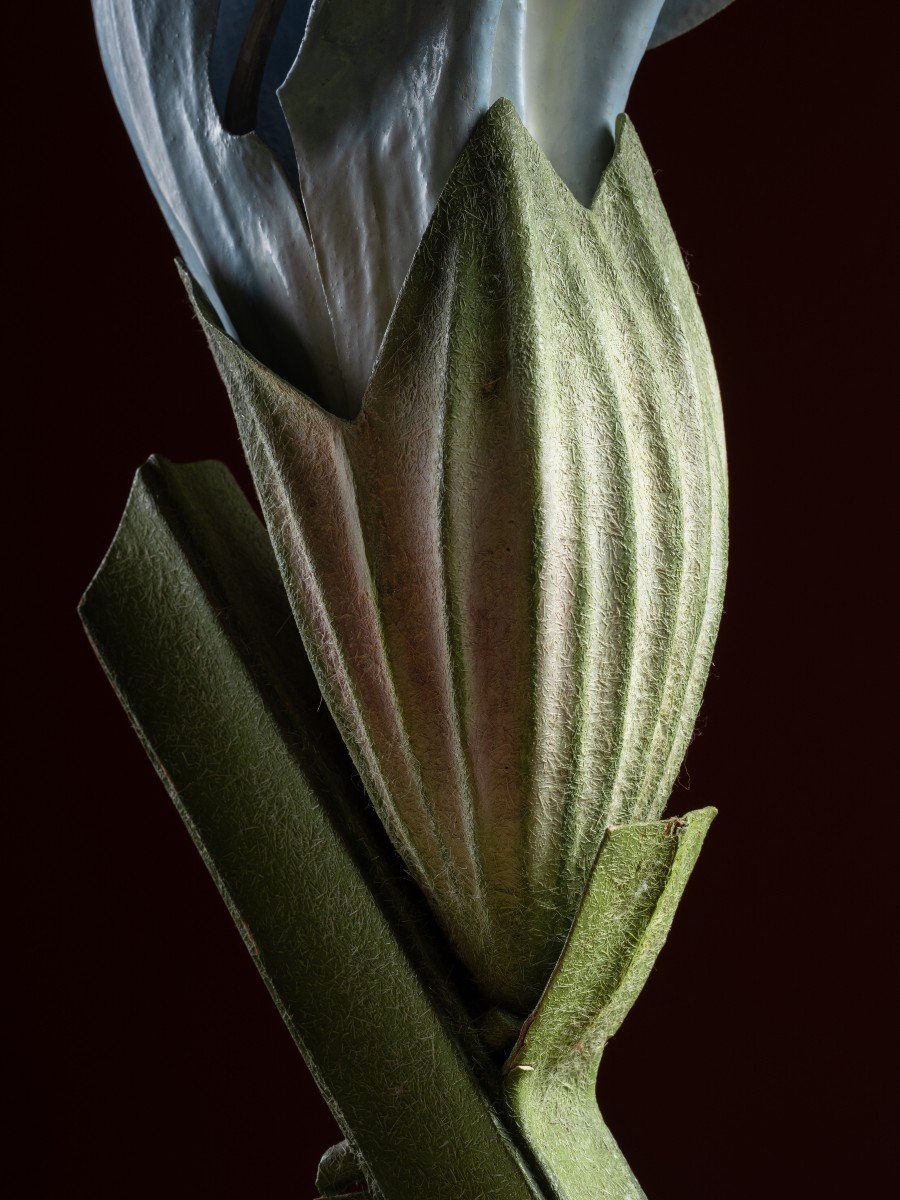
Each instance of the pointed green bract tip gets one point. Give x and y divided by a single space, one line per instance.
508 569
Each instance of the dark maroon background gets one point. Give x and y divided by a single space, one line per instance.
148 1060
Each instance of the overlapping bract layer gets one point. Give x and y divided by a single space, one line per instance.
508 569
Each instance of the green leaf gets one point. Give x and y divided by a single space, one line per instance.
190 621
625 915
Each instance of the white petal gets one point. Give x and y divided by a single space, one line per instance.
572 63
380 102
236 221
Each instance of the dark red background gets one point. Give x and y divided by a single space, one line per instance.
148 1060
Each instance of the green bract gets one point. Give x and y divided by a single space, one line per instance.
508 569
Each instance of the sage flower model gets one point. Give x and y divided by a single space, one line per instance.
477 399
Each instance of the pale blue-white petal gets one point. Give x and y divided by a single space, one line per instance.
508 77
576 61
678 16
236 220
380 103
377 107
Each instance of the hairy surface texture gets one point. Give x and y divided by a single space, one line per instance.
508 569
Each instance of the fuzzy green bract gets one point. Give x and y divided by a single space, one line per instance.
508 569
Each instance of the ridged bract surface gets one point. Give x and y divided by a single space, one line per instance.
508 569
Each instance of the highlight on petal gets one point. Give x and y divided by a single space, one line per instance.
380 102
235 218
678 16
576 60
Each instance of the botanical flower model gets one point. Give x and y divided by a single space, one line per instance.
477 399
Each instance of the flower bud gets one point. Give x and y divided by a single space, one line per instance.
508 568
